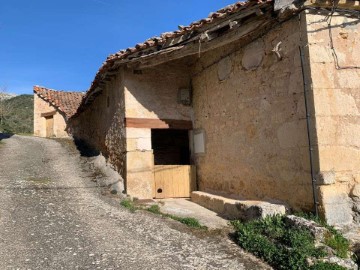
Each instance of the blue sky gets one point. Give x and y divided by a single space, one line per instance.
61 44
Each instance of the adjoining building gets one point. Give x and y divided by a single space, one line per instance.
52 109
259 101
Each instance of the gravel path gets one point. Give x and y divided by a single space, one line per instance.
52 216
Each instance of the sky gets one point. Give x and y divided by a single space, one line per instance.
60 44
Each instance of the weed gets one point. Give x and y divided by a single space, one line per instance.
128 204
191 222
333 239
338 243
283 246
154 209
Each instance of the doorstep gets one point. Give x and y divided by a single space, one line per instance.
237 209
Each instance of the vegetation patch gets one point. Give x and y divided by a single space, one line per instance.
129 204
333 239
155 209
17 115
286 247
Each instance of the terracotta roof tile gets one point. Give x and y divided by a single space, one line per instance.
66 102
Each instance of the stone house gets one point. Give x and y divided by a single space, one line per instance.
259 101
52 109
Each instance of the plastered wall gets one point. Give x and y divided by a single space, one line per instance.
152 95
336 91
250 104
102 124
41 106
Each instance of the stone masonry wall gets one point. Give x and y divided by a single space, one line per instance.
151 94
41 106
250 104
336 94
102 124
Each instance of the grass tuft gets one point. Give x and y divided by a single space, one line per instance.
129 204
155 209
189 221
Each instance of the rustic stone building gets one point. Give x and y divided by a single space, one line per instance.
261 97
52 109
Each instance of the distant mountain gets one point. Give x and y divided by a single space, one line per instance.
4 96
16 114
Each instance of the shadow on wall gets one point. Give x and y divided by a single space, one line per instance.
5 136
85 149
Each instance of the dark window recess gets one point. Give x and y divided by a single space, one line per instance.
170 146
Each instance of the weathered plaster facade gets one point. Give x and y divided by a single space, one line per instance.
150 95
42 107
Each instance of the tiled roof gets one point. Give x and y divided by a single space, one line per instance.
66 102
155 44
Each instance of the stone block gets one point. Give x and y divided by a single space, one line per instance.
139 161
134 133
139 144
334 101
339 158
335 204
337 214
334 194
237 209
326 178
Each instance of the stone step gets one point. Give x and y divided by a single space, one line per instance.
237 209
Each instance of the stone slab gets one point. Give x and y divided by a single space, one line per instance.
237 209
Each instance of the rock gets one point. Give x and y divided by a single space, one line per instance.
253 55
224 68
346 263
111 178
355 192
315 229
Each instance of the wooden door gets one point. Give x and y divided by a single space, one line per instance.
49 126
174 181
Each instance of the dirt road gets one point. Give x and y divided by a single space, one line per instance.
52 216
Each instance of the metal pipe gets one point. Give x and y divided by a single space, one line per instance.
311 149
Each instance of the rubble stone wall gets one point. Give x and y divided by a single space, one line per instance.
102 124
250 104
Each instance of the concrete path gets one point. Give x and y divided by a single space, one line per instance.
52 216
187 208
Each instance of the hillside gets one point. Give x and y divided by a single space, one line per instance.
16 114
